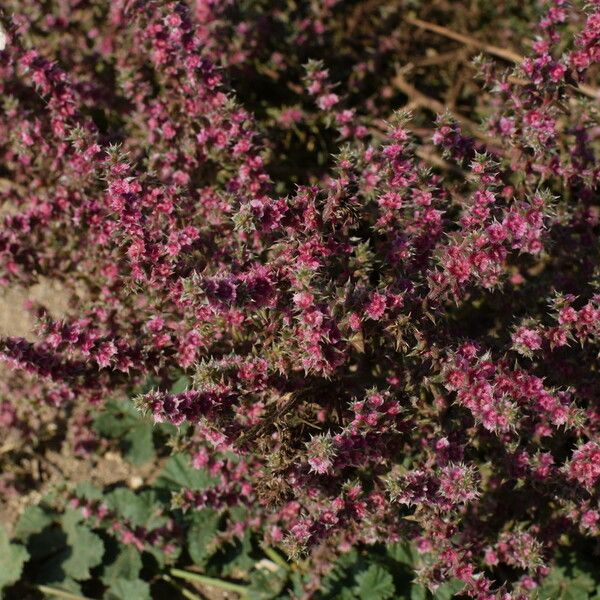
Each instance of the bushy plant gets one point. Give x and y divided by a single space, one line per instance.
354 333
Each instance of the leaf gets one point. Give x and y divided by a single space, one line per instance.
201 535
33 520
375 583
403 552
127 565
140 509
86 548
116 419
448 590
573 578
181 385
237 556
125 589
50 542
559 586
12 559
418 592
179 473
138 444
88 491
340 576
121 420
266 584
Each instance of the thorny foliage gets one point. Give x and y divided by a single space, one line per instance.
389 351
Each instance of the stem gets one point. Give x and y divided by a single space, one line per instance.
50 591
183 591
276 557
503 53
439 108
508 55
212 581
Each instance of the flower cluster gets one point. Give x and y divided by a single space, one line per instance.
387 326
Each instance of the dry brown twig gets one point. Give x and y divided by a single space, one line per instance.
503 53
417 97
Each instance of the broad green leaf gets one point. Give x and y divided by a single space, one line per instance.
179 473
12 559
560 586
86 548
122 421
117 418
201 535
141 509
418 592
575 577
50 542
403 552
340 575
237 557
448 590
138 445
126 589
182 384
33 520
88 491
127 565
266 584
375 583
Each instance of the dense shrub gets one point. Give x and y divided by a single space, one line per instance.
379 336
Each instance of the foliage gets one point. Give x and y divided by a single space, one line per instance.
359 346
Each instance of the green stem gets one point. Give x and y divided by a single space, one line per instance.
212 581
276 557
50 591
183 591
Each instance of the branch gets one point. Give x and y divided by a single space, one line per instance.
503 53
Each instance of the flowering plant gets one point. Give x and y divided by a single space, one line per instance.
392 340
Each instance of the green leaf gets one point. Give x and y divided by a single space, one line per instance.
88 491
340 575
403 552
138 444
86 548
418 592
201 535
33 520
12 559
375 583
237 556
116 419
266 584
140 509
448 590
181 385
121 420
573 578
127 565
179 473
125 589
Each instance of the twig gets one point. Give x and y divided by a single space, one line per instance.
212 581
8 447
503 53
437 107
508 55
275 412
275 557
437 161
51 591
183 591
439 59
